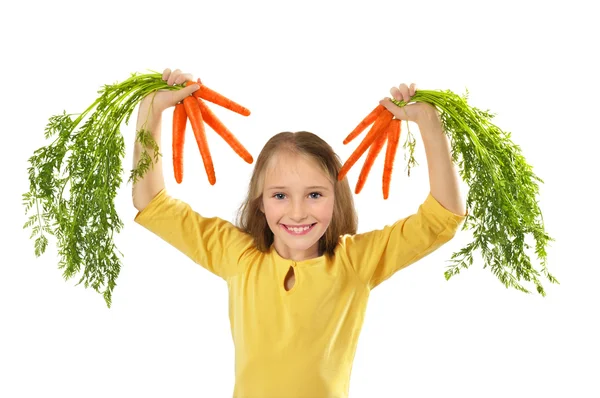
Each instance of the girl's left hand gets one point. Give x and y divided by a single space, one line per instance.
414 112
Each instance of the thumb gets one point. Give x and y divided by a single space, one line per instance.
389 105
180 95
406 112
393 108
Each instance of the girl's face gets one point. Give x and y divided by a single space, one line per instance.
298 200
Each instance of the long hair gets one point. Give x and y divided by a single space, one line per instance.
252 220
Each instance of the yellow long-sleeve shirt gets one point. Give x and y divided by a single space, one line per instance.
301 342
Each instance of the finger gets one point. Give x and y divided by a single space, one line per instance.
390 106
166 74
396 94
407 112
184 77
412 89
405 92
180 95
399 112
174 75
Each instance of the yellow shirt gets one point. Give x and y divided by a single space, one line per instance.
301 342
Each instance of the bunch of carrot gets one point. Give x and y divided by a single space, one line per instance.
384 128
194 109
74 179
501 201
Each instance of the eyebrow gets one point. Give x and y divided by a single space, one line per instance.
312 187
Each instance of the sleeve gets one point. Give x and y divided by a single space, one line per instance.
213 243
376 255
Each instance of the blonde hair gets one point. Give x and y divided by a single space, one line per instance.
252 220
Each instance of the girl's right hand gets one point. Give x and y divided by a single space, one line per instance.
164 99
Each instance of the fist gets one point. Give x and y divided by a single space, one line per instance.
413 112
163 99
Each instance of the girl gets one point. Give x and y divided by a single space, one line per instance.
299 276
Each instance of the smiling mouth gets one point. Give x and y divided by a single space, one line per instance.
298 230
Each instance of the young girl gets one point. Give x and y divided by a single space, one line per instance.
299 276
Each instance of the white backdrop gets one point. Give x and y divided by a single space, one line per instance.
316 66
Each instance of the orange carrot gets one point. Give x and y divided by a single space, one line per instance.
374 150
216 98
393 138
380 125
370 118
192 108
179 124
213 121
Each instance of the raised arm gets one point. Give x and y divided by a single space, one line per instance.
443 175
149 118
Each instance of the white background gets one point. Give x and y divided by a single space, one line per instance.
316 66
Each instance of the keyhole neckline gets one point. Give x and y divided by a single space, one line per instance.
291 273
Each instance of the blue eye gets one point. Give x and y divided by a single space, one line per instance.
280 195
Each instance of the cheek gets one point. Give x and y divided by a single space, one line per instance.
272 213
326 213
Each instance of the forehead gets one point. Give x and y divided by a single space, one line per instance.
293 170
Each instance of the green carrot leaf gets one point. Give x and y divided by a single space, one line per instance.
73 182
502 203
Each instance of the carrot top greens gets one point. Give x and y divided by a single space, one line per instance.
74 181
501 202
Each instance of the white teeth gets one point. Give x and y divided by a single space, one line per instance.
298 229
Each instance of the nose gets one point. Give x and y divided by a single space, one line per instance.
298 210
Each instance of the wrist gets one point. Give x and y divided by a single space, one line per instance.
430 125
148 106
148 116
428 116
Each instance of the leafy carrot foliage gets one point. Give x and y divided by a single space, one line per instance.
74 181
502 200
